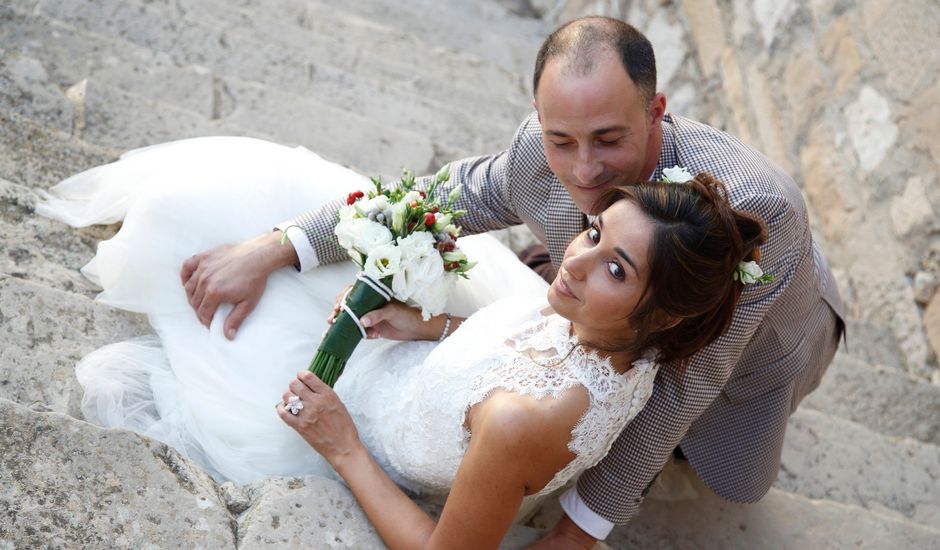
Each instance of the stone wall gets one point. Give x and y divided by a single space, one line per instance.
844 95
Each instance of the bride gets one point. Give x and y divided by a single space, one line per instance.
520 389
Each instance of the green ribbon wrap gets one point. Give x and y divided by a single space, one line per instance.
344 334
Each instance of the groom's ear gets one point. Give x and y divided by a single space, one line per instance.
535 105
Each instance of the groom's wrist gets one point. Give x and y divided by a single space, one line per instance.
278 253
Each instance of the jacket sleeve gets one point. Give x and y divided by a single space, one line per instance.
485 195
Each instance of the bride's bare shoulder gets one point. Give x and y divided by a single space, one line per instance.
537 429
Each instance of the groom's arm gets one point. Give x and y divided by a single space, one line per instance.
237 274
485 195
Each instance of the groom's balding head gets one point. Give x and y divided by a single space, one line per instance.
578 45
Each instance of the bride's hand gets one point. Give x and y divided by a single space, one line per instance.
323 420
397 321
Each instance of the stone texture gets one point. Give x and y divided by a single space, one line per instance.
318 512
896 30
781 520
73 485
924 286
769 14
666 35
36 156
44 333
871 127
932 323
42 250
880 398
825 457
912 208
707 27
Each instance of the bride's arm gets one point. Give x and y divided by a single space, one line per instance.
516 448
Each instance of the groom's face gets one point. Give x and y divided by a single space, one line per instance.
598 129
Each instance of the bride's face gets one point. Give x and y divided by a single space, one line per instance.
603 275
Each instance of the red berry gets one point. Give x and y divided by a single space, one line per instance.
351 199
423 194
434 209
359 194
429 220
414 204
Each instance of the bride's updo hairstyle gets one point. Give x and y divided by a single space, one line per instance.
697 242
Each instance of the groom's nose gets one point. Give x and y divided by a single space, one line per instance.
586 169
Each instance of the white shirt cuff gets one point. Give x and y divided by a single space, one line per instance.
584 517
306 255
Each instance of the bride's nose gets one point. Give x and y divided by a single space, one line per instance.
576 264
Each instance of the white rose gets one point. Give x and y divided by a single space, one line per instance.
347 212
677 174
432 297
379 203
347 230
420 264
370 236
384 260
749 272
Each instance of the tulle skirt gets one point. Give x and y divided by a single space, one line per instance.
189 386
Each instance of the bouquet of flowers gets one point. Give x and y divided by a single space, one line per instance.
405 242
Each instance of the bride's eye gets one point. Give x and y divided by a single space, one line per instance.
594 234
615 270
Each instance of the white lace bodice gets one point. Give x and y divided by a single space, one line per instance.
422 438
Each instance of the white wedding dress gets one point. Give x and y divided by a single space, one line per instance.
214 399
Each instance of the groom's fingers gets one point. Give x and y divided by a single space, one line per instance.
236 316
189 266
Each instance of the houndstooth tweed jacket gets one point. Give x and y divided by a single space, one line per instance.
729 410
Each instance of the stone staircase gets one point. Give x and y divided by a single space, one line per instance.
375 85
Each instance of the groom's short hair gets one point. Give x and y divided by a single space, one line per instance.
578 43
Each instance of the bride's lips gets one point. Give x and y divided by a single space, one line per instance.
562 288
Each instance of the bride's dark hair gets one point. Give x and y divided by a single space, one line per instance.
697 242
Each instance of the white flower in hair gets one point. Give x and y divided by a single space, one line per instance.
676 174
750 273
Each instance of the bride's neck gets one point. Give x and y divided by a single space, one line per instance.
620 360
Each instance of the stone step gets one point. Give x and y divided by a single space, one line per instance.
67 484
316 512
38 157
41 250
486 29
114 118
883 399
261 44
75 55
781 520
44 332
825 457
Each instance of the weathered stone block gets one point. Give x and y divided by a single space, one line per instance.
871 127
880 398
44 333
67 484
825 457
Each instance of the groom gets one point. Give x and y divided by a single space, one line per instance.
599 122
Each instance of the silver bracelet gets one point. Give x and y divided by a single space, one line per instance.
446 328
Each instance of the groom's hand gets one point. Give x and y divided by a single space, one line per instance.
566 535
233 274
